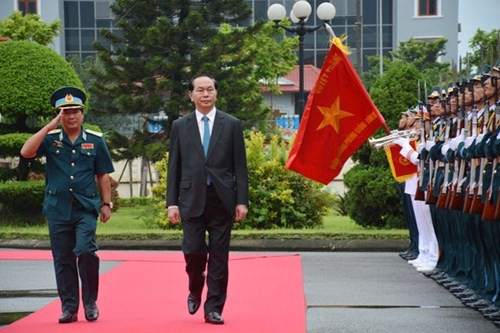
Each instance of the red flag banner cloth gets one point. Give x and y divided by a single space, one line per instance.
401 168
338 118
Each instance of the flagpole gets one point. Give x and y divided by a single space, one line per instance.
299 15
329 29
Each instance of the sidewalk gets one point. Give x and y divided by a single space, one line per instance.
306 245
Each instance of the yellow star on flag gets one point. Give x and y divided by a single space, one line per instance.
332 115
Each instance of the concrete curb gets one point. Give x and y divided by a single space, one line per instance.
308 245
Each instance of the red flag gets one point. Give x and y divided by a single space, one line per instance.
401 168
338 118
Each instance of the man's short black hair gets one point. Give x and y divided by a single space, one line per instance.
191 82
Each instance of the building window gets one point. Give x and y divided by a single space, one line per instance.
427 7
27 6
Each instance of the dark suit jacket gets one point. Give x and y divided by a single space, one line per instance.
188 167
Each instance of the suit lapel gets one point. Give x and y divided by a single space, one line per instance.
216 131
194 131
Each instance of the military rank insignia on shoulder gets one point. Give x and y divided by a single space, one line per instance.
94 133
55 131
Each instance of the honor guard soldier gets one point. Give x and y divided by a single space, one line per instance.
75 159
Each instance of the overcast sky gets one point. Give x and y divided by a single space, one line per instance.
474 14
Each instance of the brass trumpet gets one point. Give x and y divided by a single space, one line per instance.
389 139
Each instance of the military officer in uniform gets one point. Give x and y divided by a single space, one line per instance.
78 164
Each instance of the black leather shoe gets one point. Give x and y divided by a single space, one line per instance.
91 312
480 304
68 317
466 294
458 289
450 284
468 300
490 309
495 316
193 303
214 318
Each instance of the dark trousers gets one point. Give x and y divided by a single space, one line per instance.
198 253
409 216
73 245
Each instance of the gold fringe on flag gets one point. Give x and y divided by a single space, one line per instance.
398 178
339 42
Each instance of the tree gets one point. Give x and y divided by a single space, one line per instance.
241 64
160 47
421 54
485 48
397 90
151 56
29 73
29 27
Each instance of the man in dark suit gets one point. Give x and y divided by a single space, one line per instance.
207 186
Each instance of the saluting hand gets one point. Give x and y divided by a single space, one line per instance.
54 122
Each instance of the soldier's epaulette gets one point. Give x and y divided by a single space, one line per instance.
94 133
55 131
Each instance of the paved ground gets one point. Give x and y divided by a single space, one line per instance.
345 292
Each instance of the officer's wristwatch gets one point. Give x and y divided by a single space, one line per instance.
109 204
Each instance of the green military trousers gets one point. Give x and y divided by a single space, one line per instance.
73 246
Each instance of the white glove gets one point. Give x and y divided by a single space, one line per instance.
420 147
454 143
479 137
429 144
469 140
444 148
406 151
402 142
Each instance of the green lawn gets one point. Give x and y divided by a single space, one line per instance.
127 223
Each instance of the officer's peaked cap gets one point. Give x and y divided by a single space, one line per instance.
67 97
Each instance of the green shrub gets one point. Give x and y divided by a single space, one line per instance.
7 174
371 195
11 144
23 199
339 204
278 198
136 202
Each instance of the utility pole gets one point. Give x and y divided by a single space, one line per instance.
359 64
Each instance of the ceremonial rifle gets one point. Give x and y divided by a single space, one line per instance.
420 194
489 206
469 192
497 160
430 198
456 161
443 190
456 200
434 165
477 205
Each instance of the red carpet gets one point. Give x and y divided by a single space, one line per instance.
147 294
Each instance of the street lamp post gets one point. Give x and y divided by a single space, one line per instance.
299 15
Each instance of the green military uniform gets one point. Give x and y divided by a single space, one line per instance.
72 206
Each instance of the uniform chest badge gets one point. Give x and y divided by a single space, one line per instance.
58 144
87 146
